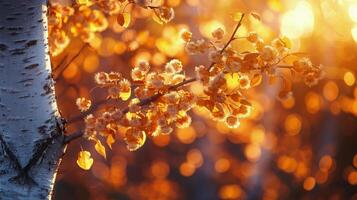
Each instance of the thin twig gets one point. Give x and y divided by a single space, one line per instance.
231 39
70 61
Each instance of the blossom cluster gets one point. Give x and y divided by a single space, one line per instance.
88 17
160 102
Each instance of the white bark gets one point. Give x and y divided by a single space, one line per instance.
30 130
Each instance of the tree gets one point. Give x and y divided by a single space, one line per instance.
32 132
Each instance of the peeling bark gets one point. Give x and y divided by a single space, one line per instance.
31 130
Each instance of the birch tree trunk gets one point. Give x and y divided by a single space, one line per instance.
31 130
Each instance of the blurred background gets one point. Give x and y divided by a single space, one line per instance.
303 147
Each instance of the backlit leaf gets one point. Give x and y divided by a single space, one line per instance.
124 19
125 95
84 160
256 80
110 140
100 148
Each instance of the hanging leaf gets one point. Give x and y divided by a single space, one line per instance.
110 140
100 149
124 19
157 18
120 19
256 16
256 80
84 160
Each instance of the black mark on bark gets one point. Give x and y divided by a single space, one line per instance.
31 43
32 66
3 47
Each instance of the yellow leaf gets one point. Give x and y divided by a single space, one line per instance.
256 16
84 160
124 19
157 19
256 80
125 95
82 2
110 141
232 81
127 19
100 148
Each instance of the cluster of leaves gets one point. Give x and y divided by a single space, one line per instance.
160 101
85 18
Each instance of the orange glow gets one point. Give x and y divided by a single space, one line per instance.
352 177
91 63
309 183
71 71
349 78
325 163
187 169
230 192
293 124
195 157
186 135
160 169
222 165
330 91
252 152
161 140
313 102
288 164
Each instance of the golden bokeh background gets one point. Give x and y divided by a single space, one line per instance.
303 147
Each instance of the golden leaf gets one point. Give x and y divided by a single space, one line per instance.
256 80
110 140
100 148
157 19
120 19
125 95
82 2
84 160
124 19
245 102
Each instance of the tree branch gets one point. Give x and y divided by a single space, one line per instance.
153 98
70 61
143 102
231 39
